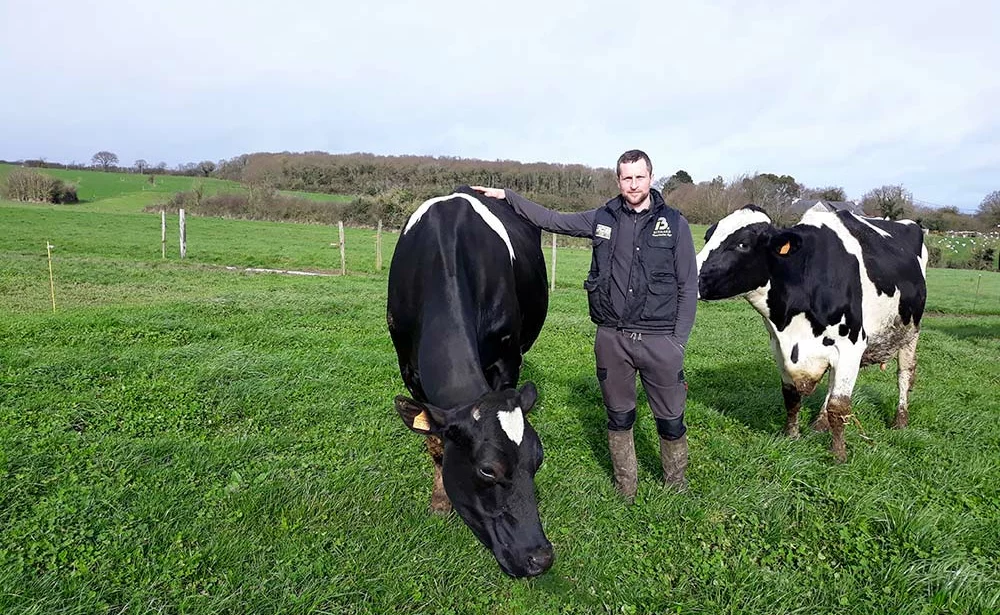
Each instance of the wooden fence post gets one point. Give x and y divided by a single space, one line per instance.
343 260
378 247
553 283
183 235
163 234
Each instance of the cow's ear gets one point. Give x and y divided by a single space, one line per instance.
786 243
421 418
528 395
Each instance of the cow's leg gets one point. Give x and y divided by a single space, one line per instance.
907 360
440 504
793 402
504 372
838 407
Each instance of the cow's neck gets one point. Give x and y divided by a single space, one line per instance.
450 372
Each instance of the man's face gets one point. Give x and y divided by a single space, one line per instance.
634 180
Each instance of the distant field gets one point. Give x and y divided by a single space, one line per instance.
122 192
180 438
959 249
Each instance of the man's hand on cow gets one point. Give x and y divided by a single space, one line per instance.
495 193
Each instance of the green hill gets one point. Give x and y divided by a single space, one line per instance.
128 192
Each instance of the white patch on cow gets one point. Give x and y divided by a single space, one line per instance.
488 216
512 423
727 226
758 299
476 414
865 221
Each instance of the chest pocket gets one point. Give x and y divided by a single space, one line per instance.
661 300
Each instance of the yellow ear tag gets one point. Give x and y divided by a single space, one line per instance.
785 248
420 422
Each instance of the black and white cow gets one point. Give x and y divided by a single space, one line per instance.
836 291
467 298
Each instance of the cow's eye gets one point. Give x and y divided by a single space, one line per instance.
487 473
742 247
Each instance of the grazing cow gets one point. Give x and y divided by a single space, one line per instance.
836 291
467 298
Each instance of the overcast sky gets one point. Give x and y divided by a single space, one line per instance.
854 94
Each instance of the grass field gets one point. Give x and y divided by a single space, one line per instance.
181 438
128 192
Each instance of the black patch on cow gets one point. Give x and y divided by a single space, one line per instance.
737 265
710 231
843 330
892 262
820 280
829 342
795 353
752 207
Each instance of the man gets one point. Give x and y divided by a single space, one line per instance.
642 290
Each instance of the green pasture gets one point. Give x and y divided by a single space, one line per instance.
960 249
122 192
179 437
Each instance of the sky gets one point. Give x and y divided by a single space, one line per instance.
856 94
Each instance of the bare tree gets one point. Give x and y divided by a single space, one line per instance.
891 202
827 193
105 159
205 167
989 211
141 166
772 193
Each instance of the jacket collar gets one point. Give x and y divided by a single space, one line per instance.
617 205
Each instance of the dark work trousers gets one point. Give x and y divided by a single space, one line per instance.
660 363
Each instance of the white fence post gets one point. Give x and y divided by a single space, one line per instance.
163 234
343 261
183 235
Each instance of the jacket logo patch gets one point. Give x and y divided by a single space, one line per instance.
662 229
604 232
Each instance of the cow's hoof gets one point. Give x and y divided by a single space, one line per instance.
839 455
820 424
792 431
902 420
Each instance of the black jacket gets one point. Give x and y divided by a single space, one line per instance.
652 289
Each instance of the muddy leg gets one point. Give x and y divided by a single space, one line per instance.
440 504
838 410
793 402
907 359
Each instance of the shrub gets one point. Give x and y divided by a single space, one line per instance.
982 257
29 185
392 207
933 256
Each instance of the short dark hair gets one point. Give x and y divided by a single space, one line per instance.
633 155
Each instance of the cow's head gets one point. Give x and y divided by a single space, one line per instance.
735 257
491 454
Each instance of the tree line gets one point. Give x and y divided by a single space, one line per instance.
396 185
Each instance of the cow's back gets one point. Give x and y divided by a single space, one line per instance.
467 276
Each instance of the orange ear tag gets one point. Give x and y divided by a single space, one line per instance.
785 248
420 422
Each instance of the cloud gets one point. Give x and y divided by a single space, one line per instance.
852 93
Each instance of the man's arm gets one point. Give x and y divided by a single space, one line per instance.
577 224
687 283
